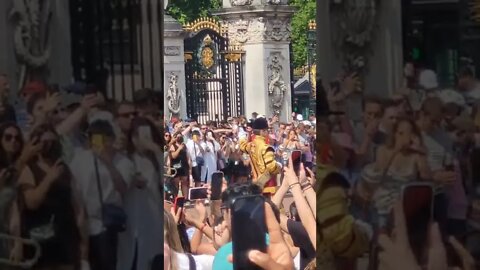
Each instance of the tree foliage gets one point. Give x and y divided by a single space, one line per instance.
306 11
188 10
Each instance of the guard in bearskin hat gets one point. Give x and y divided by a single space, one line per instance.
262 156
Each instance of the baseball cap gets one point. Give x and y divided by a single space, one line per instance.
428 79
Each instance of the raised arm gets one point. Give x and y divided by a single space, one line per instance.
74 119
35 194
175 153
304 210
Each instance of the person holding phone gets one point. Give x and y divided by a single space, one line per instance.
397 251
276 257
141 242
438 149
290 144
51 209
196 153
125 113
178 258
400 161
181 162
297 228
364 131
103 177
211 147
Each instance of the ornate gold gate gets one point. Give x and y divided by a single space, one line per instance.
214 73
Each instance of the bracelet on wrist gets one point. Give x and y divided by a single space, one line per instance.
297 183
307 188
305 185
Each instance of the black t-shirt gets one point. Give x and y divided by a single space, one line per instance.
302 241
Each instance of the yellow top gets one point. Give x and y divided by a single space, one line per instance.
262 159
336 228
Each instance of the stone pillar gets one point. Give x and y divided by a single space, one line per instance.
262 29
386 64
8 61
383 55
174 69
51 58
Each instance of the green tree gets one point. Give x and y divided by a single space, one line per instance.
306 11
186 11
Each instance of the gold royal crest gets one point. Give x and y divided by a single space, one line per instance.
207 54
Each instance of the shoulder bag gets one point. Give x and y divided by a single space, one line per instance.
200 161
114 217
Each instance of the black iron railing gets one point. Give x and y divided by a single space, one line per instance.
214 83
117 44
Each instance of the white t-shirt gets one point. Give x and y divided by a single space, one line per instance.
202 262
83 168
194 150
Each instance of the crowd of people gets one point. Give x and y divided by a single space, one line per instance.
420 135
83 180
253 157
80 179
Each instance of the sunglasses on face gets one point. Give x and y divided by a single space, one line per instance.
10 137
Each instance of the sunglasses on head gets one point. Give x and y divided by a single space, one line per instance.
10 137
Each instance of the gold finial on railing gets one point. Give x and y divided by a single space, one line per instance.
203 23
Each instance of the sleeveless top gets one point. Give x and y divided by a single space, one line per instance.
181 159
57 207
392 181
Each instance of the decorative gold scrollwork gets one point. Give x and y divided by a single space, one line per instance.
205 23
207 54
233 57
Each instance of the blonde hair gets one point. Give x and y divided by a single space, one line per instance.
172 238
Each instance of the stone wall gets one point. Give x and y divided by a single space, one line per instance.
58 67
